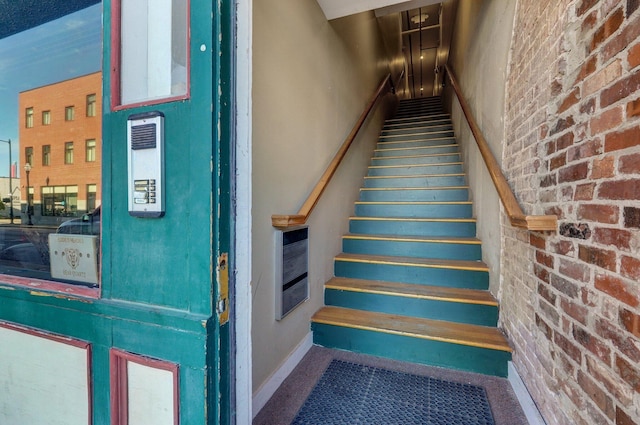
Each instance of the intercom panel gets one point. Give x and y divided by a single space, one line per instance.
145 137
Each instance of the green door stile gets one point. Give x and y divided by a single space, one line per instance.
410 283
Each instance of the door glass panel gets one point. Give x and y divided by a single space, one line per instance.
50 209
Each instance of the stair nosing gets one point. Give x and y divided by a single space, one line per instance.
412 326
413 202
415 134
429 263
425 292
417 117
417 147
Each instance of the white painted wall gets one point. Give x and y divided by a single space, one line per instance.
311 81
479 54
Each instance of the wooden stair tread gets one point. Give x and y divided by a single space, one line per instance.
457 333
418 156
418 117
408 290
386 142
414 261
415 148
432 239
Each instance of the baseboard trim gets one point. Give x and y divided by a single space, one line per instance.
528 405
269 387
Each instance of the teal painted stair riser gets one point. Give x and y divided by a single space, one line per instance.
408 228
415 150
475 314
454 278
451 179
436 353
422 135
420 158
424 127
407 170
405 195
435 210
440 250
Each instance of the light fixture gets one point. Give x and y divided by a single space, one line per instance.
421 57
419 18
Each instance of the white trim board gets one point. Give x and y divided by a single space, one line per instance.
268 389
524 398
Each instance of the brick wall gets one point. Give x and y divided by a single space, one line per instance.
55 98
570 300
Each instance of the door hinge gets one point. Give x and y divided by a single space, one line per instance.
222 304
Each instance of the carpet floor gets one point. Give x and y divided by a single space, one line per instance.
338 387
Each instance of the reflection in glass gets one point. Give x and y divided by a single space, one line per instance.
45 73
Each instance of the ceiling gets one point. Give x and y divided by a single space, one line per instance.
426 29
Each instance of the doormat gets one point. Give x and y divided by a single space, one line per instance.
349 393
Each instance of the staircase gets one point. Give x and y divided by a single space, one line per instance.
410 284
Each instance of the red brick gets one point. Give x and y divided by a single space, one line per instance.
541 273
584 192
568 347
619 238
606 121
595 393
574 270
620 90
537 241
563 247
619 338
616 386
610 26
629 373
617 288
588 107
632 217
568 288
620 189
575 311
544 259
558 161
590 65
589 298
620 42
584 6
630 321
547 294
633 108
598 257
571 99
599 213
549 311
564 141
602 79
585 150
633 56
548 180
630 267
602 168
546 329
623 419
592 343
623 139
573 173
632 6
562 124
629 164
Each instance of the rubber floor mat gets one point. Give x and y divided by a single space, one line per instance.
351 394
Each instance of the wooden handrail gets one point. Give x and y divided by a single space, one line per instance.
284 221
511 205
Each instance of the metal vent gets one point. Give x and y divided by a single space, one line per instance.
143 136
292 248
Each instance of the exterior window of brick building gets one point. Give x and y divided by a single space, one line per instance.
46 155
46 117
91 105
69 113
28 155
28 118
90 147
68 153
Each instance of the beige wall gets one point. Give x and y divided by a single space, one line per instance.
479 54
312 80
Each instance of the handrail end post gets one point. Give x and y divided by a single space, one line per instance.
282 221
